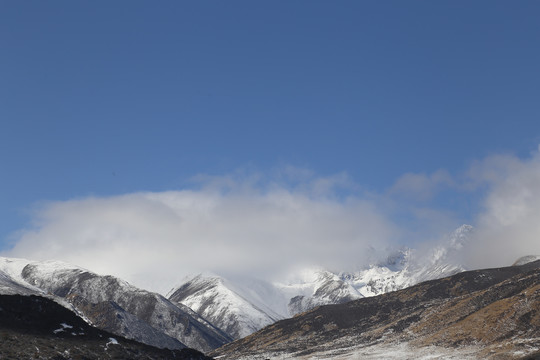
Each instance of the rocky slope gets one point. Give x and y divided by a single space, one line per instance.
483 314
34 327
112 304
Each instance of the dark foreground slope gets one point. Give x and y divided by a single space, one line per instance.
34 327
494 312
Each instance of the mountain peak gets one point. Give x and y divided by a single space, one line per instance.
223 305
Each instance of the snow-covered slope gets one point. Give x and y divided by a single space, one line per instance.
11 281
113 304
214 298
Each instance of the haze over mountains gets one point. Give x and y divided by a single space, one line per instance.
240 306
230 309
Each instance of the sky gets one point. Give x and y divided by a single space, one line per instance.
256 135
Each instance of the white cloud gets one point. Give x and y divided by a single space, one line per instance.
508 225
265 225
154 239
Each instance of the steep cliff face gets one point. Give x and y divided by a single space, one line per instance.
493 313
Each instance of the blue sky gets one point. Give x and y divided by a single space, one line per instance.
109 98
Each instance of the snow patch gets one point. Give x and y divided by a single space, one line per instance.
64 326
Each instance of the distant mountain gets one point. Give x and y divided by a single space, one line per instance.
482 314
34 327
240 306
112 304
405 267
324 287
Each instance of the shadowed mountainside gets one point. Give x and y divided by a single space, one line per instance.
33 327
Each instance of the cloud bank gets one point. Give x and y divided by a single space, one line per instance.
154 239
256 227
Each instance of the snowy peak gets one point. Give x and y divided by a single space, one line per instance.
210 297
452 244
406 267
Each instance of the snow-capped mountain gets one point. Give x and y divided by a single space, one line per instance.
112 304
405 267
228 302
214 298
207 311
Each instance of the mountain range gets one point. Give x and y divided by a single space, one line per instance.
240 306
481 314
112 304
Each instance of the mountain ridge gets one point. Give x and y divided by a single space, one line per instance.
460 313
112 304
